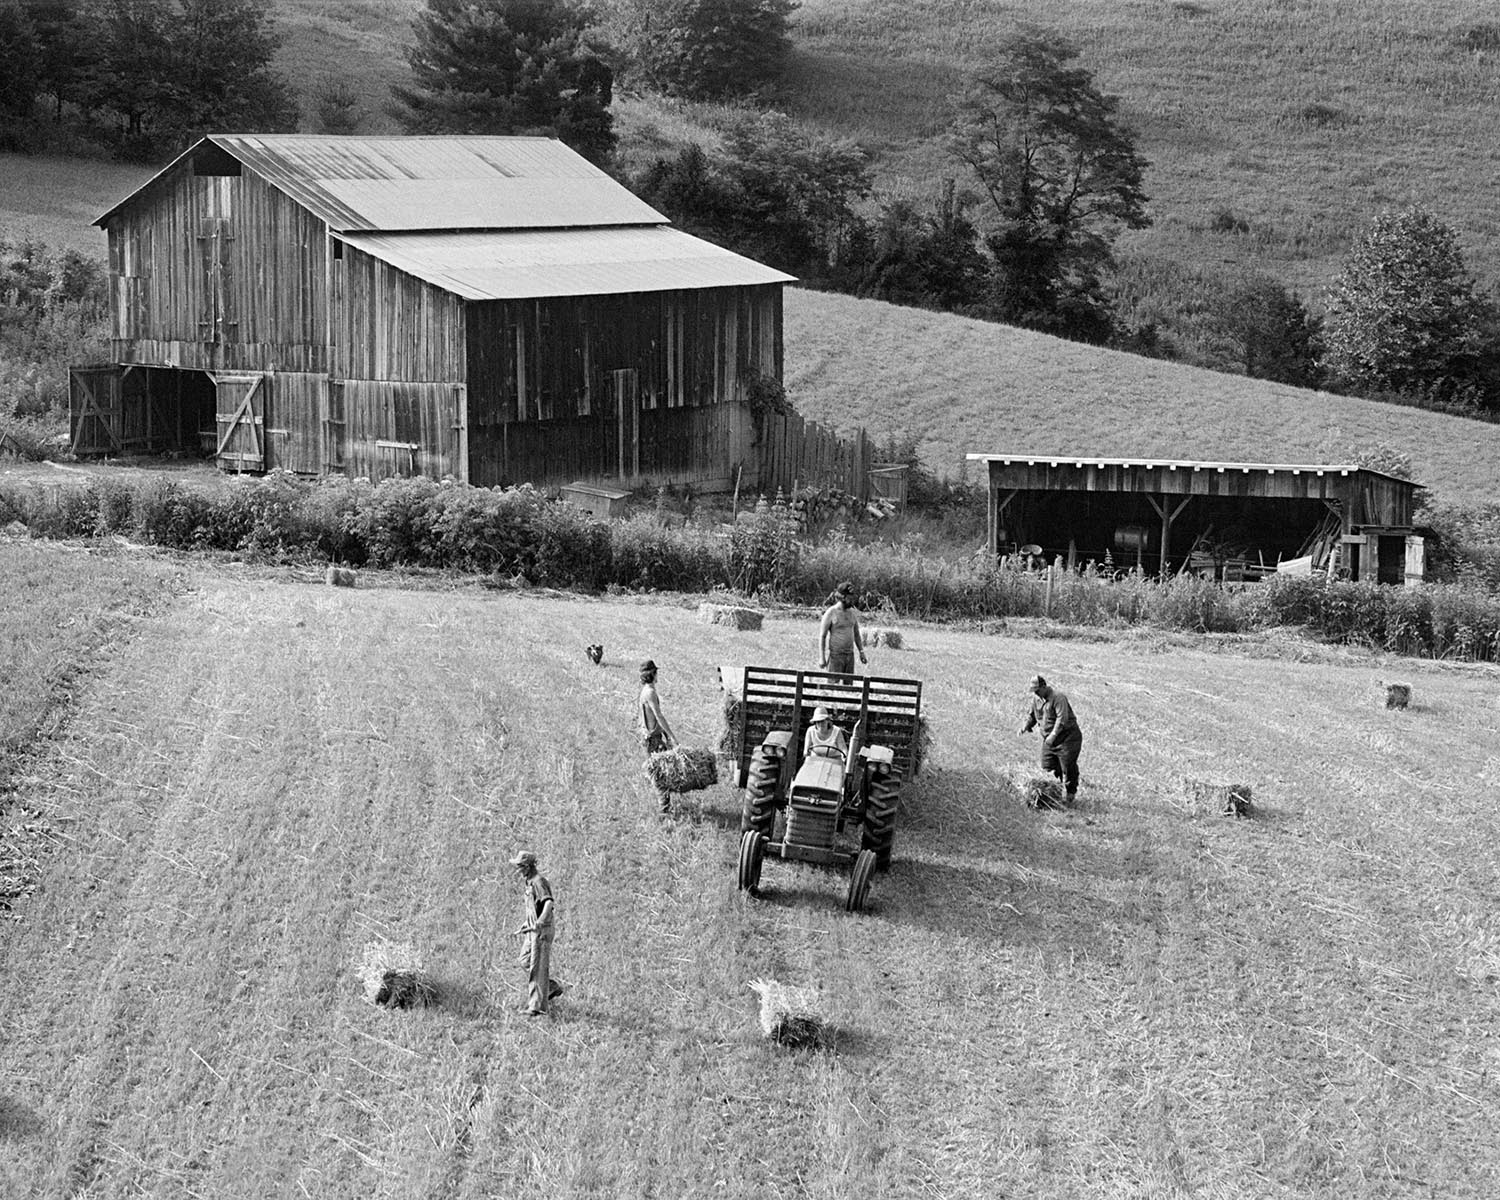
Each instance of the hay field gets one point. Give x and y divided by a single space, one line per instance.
1124 1000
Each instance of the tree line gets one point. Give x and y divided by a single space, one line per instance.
1045 175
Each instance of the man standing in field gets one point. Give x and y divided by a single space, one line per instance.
838 634
536 955
1062 739
656 734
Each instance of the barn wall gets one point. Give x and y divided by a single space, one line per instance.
218 272
542 391
392 326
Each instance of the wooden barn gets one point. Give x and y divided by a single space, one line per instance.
1234 520
494 309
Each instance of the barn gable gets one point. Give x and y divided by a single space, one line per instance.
365 304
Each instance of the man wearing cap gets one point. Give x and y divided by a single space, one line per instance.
536 955
824 737
655 733
838 634
1062 739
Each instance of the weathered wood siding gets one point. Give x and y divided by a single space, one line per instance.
1366 498
541 377
398 367
681 445
218 272
388 325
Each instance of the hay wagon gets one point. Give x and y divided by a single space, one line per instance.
798 808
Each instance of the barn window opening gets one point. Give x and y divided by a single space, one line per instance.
338 249
214 161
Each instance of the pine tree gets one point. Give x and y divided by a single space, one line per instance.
505 67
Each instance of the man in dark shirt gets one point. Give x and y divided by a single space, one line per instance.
1062 739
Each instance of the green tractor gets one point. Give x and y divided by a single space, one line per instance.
798 806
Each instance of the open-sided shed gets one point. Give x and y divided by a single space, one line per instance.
495 309
1238 520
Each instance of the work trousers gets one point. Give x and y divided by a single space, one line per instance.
1062 760
654 741
841 662
536 958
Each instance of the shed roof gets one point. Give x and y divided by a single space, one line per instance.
527 264
428 183
1181 464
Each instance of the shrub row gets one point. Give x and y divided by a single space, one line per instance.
518 533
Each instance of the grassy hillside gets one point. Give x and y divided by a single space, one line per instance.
1126 1000
973 387
57 199
1302 120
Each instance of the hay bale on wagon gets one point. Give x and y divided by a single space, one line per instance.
790 1016
1225 799
920 745
732 615
392 976
682 769
1397 695
891 639
729 734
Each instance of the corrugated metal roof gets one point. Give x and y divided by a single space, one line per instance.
420 183
530 264
1181 464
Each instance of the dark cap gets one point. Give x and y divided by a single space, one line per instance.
844 589
648 665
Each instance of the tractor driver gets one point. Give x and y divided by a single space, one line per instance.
824 737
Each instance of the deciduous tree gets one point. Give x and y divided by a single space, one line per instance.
708 49
1062 177
508 66
1403 315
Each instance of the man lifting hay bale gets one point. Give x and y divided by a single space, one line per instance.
1062 739
656 734
838 634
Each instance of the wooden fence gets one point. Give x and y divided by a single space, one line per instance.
795 452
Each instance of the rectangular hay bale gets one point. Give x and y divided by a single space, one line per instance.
683 769
1225 799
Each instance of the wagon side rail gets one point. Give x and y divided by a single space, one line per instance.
773 698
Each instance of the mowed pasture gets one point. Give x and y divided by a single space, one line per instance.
1129 999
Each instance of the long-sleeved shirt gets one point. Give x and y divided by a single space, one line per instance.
1055 715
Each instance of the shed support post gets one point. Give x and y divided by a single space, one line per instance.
997 510
1168 514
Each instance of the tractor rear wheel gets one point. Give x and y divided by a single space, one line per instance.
859 881
760 793
752 855
879 832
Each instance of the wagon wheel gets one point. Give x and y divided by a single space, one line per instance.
760 792
879 832
752 855
859 881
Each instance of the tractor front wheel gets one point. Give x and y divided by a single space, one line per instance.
879 832
752 855
859 881
760 793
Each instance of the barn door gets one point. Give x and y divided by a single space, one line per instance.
242 404
94 409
